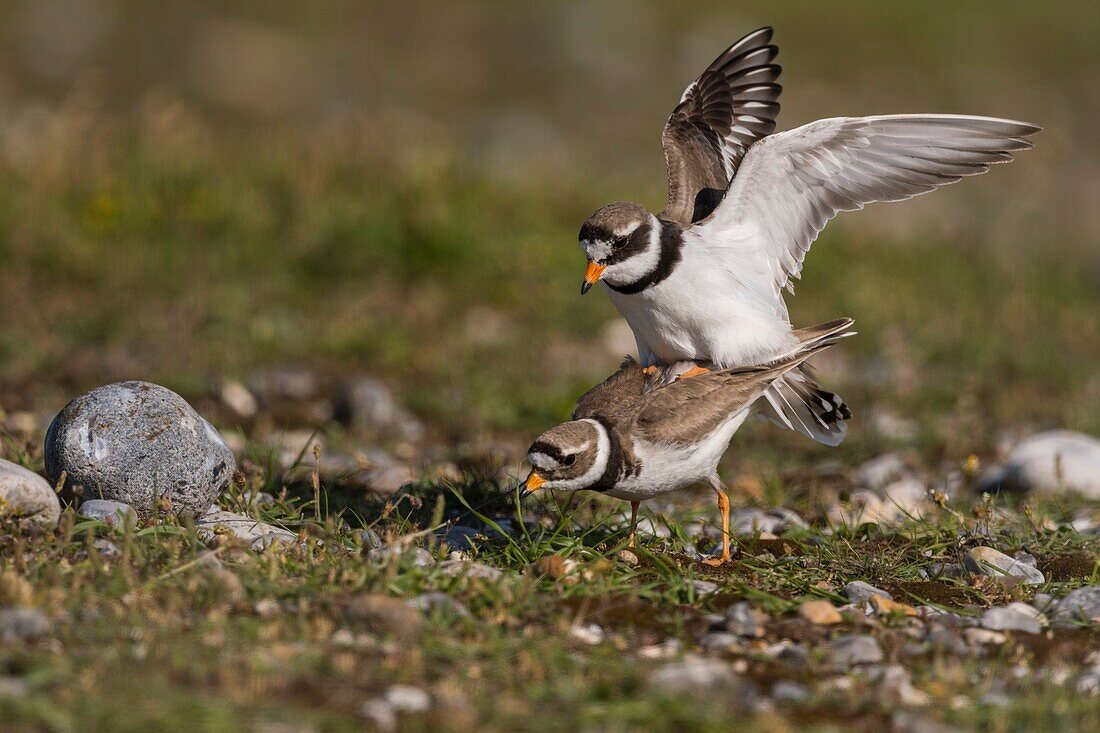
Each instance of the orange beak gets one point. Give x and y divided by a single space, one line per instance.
591 275
531 485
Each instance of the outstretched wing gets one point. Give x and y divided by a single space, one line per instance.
791 183
729 107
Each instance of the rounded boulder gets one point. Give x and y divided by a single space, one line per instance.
140 444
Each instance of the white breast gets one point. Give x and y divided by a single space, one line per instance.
702 312
668 468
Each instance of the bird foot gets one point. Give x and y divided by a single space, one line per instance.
649 371
717 562
693 372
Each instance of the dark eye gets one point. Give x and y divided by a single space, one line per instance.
618 243
570 459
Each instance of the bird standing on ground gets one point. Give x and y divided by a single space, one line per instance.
704 279
643 433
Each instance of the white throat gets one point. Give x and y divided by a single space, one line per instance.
633 269
596 470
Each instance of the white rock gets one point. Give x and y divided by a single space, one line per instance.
114 513
879 472
590 634
1051 462
995 564
258 534
27 499
777 520
408 699
1013 617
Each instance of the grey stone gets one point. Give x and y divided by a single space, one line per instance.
1088 683
469 569
743 620
936 570
106 548
785 691
693 676
1042 602
895 687
417 556
946 641
849 650
793 655
27 499
22 624
704 587
239 399
984 637
13 687
140 444
1050 462
990 562
257 534
860 592
368 404
285 383
114 513
720 641
461 538
906 498
777 520
1026 558
430 603
1079 606
1013 617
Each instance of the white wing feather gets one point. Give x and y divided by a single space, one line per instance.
790 184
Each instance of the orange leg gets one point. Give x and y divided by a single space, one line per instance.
649 371
633 522
724 507
693 372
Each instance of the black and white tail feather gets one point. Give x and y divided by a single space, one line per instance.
797 402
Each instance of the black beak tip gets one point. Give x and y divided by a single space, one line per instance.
585 287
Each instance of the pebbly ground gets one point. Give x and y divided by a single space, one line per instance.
405 588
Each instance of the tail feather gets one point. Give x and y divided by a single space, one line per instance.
796 401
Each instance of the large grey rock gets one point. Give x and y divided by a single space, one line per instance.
114 513
258 535
1079 606
987 561
140 444
1050 462
27 498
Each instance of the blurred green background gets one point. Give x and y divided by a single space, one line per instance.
194 190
